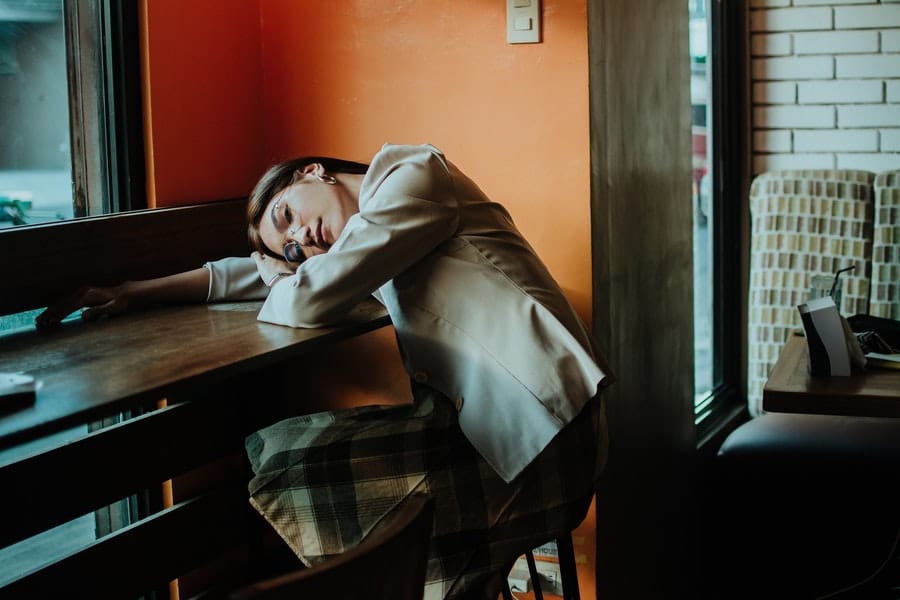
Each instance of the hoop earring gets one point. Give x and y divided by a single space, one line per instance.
326 178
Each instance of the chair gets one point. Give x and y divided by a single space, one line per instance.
803 222
567 571
884 297
389 564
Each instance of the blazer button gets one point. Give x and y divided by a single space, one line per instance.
459 403
420 377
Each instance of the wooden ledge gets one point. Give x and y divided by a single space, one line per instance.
89 370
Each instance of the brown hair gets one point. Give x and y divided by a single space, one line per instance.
279 177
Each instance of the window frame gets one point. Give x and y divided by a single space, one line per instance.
103 60
105 106
726 406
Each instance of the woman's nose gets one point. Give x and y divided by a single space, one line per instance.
302 236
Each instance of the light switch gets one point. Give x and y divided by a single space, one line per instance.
523 21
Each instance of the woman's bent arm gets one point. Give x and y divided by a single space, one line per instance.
189 287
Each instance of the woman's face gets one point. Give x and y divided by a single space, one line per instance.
310 212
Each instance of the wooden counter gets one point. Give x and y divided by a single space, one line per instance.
213 364
88 370
790 388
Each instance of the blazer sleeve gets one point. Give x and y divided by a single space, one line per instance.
234 278
407 208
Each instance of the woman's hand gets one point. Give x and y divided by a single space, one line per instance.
269 267
188 287
96 301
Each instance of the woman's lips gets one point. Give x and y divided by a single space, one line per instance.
321 242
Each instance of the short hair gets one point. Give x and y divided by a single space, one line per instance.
280 176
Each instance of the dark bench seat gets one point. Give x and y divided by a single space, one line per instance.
817 502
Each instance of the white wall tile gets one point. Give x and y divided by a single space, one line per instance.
836 140
844 91
778 92
892 90
769 3
835 42
793 67
791 19
890 140
772 140
890 40
860 17
869 162
869 115
770 44
872 65
832 2
794 117
772 162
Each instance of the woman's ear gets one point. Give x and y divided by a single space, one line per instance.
313 169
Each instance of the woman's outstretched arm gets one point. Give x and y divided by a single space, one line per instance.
189 287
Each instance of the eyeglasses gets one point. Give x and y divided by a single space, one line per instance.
293 252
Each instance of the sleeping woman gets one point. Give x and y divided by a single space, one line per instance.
507 431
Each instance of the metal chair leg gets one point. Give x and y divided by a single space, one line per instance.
568 573
535 578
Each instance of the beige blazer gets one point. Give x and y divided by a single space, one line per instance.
477 314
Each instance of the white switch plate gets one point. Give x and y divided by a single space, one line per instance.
518 12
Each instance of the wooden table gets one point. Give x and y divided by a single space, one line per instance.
211 363
88 370
790 388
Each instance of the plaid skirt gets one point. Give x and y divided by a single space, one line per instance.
324 481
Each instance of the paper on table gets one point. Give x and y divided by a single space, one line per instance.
16 389
884 361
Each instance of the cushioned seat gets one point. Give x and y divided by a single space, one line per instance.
814 500
785 443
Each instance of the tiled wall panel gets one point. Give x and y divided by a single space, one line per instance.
803 222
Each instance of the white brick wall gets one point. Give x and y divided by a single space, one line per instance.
892 91
836 90
834 140
890 140
826 42
825 80
783 92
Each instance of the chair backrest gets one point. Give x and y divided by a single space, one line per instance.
884 294
389 564
803 222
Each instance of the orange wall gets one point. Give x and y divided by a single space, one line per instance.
230 91
344 77
202 99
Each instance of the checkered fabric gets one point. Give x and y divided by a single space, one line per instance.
803 223
884 300
325 481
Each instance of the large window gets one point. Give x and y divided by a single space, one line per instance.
71 140
701 177
71 146
719 177
70 98
35 151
